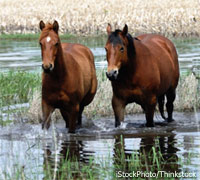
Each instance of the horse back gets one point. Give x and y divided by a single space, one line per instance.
163 58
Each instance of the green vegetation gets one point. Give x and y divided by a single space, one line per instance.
22 37
16 88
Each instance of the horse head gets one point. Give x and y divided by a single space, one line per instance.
119 48
50 43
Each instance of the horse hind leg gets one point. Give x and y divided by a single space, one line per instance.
80 115
171 94
161 102
65 117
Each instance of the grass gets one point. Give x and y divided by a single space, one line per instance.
16 88
21 37
170 18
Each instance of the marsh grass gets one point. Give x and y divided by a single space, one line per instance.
22 37
171 18
20 89
187 99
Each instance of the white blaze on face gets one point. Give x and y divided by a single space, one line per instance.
48 39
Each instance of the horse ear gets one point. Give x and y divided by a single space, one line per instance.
42 25
109 29
55 26
125 30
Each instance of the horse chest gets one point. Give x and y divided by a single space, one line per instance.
129 94
56 98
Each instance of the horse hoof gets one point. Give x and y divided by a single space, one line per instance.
78 127
45 126
169 120
150 125
117 124
71 131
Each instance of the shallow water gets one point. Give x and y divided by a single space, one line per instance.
27 55
29 147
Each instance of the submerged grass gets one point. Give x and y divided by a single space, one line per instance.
121 164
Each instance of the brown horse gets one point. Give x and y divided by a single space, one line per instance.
69 80
142 70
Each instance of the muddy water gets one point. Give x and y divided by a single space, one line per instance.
27 148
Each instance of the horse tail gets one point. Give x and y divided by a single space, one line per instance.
161 102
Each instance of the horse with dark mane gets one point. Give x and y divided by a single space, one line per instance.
69 80
142 70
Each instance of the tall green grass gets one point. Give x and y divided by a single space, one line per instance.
16 88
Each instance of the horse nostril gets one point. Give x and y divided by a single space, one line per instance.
115 72
43 66
50 66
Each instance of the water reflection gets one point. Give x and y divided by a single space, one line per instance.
123 152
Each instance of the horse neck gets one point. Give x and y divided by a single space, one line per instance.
59 66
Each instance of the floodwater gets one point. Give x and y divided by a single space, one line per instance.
26 148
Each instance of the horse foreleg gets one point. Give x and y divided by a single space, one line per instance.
46 113
149 111
118 108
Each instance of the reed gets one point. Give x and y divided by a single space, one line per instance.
89 17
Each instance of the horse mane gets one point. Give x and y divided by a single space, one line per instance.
45 32
115 39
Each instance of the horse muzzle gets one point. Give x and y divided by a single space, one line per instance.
47 68
112 75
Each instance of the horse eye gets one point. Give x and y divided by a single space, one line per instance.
122 49
40 43
56 44
106 49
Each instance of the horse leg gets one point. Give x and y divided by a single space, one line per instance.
171 95
161 101
149 111
46 112
80 115
74 112
119 108
65 117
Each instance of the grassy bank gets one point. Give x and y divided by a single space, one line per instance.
20 87
170 18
